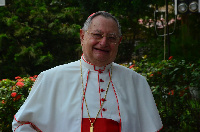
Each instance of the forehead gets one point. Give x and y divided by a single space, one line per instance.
100 23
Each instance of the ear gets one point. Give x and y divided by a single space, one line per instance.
82 35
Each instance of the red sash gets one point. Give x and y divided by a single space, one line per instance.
101 125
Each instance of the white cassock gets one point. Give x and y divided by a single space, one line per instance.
55 103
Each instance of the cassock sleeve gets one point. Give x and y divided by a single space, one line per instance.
137 106
23 119
149 117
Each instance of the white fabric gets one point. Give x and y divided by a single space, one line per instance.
93 96
55 101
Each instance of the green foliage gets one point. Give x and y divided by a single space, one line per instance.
172 83
36 36
55 26
13 93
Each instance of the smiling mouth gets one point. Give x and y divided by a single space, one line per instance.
101 50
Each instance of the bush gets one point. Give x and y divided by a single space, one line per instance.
12 95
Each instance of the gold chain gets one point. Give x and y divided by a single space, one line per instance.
92 123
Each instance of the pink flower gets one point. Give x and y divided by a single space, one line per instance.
151 75
159 72
170 58
20 84
35 76
20 80
140 21
13 88
131 66
13 94
32 79
182 93
17 97
171 92
3 102
18 77
187 88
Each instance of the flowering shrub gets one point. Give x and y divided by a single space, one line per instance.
171 81
12 95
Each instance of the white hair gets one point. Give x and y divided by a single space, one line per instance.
100 13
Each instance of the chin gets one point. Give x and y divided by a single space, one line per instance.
101 58
104 60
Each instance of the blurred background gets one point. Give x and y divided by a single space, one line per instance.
40 34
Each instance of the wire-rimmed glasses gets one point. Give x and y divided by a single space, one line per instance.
112 38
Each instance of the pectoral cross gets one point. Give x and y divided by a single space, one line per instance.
91 127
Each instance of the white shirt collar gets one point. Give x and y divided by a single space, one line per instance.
92 67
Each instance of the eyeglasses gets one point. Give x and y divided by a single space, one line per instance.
111 38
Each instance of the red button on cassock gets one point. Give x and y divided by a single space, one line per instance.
102 90
101 80
104 109
103 99
100 71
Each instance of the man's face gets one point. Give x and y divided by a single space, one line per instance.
100 52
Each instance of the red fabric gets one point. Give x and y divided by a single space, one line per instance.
101 125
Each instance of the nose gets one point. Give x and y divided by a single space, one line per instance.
103 41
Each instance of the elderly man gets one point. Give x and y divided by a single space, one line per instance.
93 94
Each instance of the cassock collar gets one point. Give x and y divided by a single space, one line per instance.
92 67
